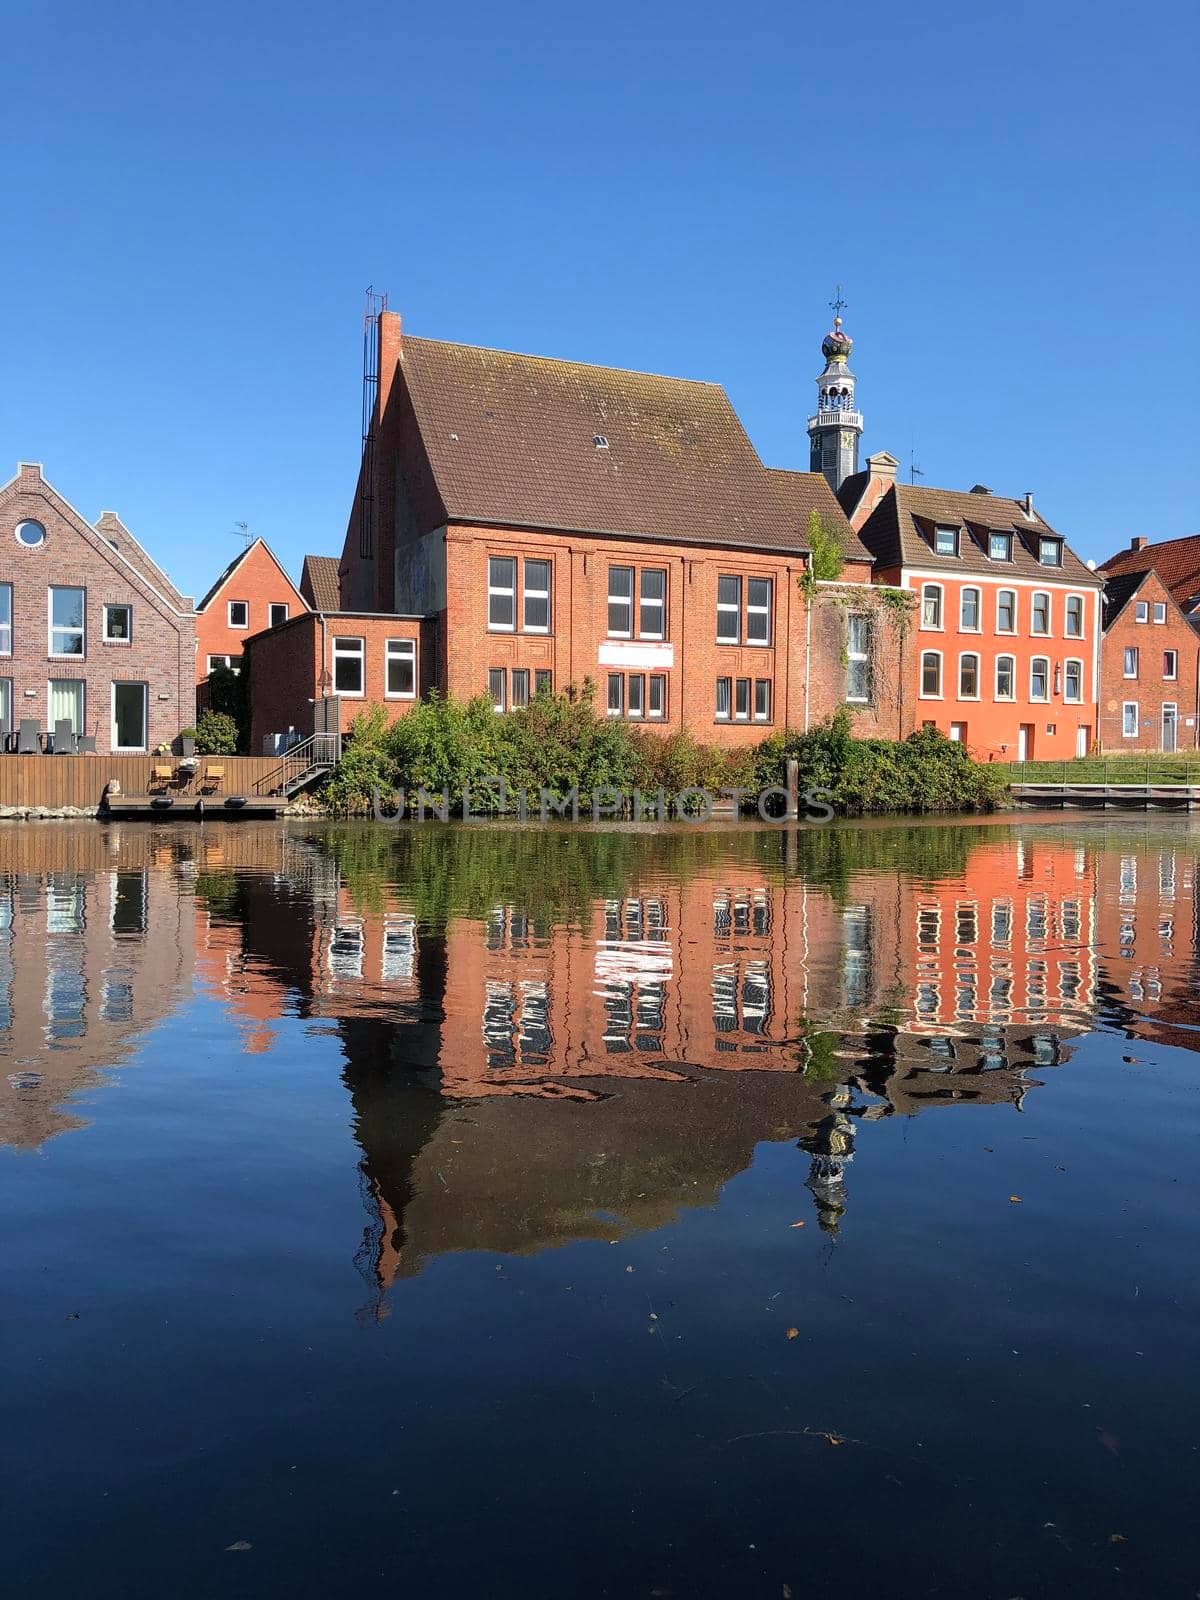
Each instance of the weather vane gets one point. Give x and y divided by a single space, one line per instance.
838 305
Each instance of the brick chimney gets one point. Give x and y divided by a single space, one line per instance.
1139 543
882 465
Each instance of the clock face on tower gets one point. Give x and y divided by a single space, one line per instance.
847 441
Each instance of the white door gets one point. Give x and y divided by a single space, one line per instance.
1081 740
1023 743
958 732
129 716
1170 724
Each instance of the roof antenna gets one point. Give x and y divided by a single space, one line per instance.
914 471
242 529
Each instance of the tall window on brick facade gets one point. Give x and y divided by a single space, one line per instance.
969 611
758 610
931 605
1160 611
616 694
1041 613
401 669
502 593
658 695
1039 678
67 607
931 674
1006 677
724 699
1131 661
1006 611
5 619
348 655
1170 664
858 659
543 681
537 597
497 688
729 609
1129 720
6 685
1073 626
1073 681
620 602
968 677
762 699
635 687
652 604
520 687
741 700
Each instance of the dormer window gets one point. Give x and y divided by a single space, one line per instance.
1050 552
945 541
999 546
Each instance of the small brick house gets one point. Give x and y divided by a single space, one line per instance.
91 629
254 592
1149 669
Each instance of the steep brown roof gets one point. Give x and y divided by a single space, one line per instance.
806 492
1176 561
319 583
899 532
511 441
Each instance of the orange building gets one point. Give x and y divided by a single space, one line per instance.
254 592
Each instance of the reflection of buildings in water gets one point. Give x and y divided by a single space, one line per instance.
1146 939
81 977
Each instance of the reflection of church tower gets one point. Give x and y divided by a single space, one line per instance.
831 1146
834 432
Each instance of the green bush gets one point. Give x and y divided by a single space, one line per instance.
216 734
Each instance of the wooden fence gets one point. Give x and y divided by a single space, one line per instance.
56 781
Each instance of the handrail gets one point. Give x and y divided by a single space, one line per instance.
318 750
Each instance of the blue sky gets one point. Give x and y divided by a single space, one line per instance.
198 197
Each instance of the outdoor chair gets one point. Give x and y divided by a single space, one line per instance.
212 780
64 737
160 779
29 737
86 744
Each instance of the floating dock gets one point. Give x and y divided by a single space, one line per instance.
1109 796
192 807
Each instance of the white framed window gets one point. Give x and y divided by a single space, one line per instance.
762 699
1041 613
758 610
348 657
118 624
1129 719
68 610
536 600
741 700
968 676
1039 678
1160 611
620 603
400 668
1073 681
1050 552
1006 611
858 658
729 609
931 675
233 663
238 612
931 605
616 694
945 541
498 689
1141 611
635 695
1000 546
657 707
1170 664
6 619
652 603
970 611
1073 623
1006 677
724 699
502 594
30 534
277 613
1131 661
520 687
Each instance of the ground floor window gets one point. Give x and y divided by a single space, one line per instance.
348 666
68 699
401 669
498 688
736 697
520 687
1129 720
129 708
638 695
5 705
509 690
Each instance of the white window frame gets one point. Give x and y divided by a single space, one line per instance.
763 714
734 606
538 594
222 661
618 679
1048 631
1016 616
1141 611
1068 697
274 606
655 602
229 605
626 600
1068 631
927 589
758 610
637 711
1126 707
922 693
400 650
1130 650
520 688
740 715
854 656
502 589
50 682
128 683
727 714
359 655
1160 611
656 680
1039 699
1173 675
969 655
6 628
963 625
1012 669
938 531
104 633
500 705
51 630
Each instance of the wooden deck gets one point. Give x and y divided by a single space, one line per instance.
1109 796
190 807
58 781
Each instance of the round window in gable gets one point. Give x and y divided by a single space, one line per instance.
30 534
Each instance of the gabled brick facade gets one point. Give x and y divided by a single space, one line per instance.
1148 668
248 597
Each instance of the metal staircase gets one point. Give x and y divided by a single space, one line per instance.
302 765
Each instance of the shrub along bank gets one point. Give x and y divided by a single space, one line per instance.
559 743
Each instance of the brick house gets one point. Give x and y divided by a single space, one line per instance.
558 523
1006 637
91 629
1176 561
1148 667
254 592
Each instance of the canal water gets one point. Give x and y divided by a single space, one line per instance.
521 1212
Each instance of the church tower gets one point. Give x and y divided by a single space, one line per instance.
833 434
